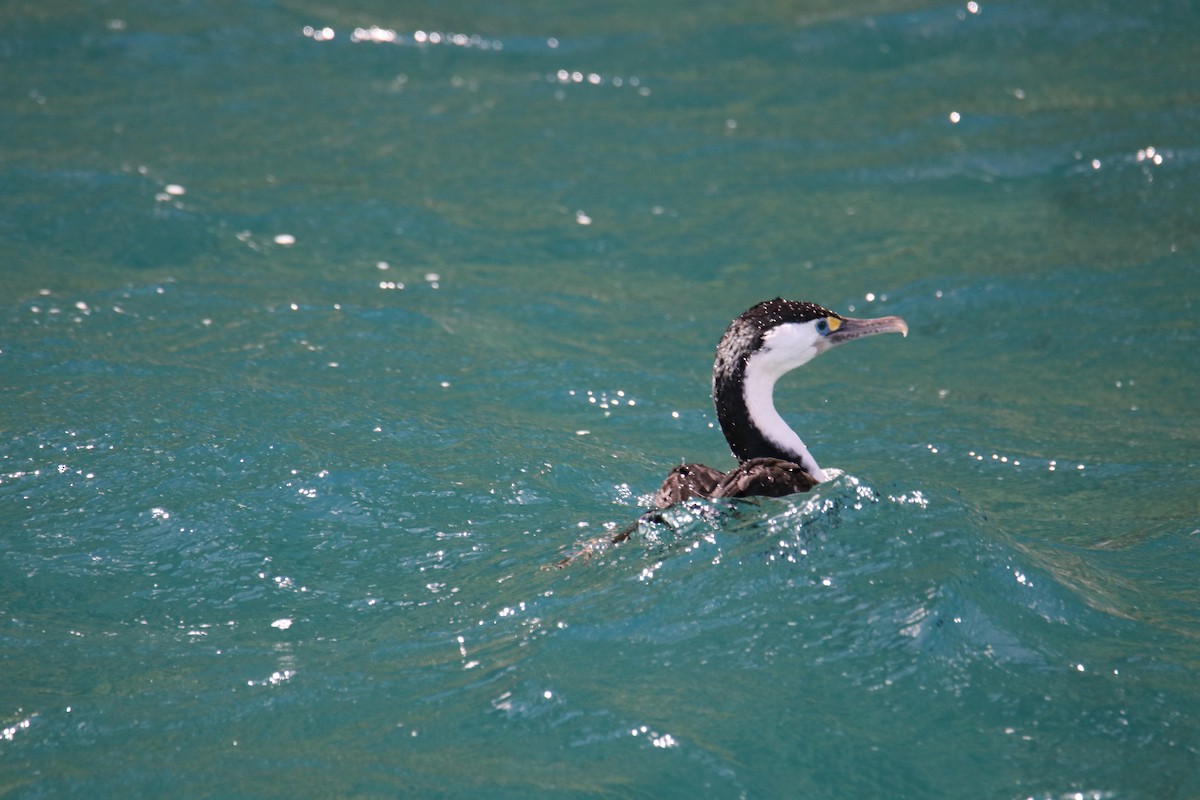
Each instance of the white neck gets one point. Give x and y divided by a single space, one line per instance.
762 371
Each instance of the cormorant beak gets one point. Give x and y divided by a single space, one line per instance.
857 328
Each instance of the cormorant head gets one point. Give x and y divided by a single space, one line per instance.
781 335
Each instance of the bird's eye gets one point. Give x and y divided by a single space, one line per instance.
827 325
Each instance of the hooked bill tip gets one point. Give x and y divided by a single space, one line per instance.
893 325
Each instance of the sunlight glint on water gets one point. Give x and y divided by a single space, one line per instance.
323 332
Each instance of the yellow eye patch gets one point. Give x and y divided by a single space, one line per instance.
834 323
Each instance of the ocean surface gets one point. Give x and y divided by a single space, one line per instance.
328 329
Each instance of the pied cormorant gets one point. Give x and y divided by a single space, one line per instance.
760 346
764 343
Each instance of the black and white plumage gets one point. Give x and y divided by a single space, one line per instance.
760 346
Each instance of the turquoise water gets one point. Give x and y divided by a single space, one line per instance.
316 347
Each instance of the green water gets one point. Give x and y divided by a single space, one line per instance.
314 351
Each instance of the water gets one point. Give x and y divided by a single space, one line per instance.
315 351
